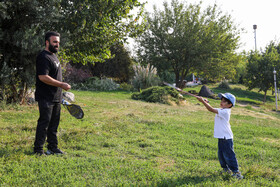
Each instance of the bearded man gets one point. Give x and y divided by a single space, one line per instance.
48 93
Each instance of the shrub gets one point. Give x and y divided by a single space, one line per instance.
224 85
73 74
157 94
145 77
96 84
127 87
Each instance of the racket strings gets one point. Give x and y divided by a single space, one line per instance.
75 111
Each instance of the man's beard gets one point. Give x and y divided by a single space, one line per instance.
53 49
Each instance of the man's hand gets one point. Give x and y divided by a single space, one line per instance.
65 86
50 81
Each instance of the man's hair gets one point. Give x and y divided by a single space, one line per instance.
51 33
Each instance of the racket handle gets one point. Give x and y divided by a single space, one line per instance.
206 100
64 102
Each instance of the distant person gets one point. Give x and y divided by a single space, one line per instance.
48 93
222 131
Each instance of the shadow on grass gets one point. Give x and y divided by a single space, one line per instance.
9 151
193 180
239 93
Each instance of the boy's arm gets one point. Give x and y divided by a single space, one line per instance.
209 107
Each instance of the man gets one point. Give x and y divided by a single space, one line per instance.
48 93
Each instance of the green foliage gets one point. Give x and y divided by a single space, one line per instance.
224 85
126 86
240 69
118 67
145 77
5 81
96 84
157 94
202 41
92 27
3 104
259 70
21 36
88 30
229 66
167 76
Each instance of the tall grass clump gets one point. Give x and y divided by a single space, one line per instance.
145 77
3 105
96 84
126 86
224 85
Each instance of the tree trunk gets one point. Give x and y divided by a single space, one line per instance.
22 93
264 98
177 78
15 93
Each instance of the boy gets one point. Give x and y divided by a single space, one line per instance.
222 131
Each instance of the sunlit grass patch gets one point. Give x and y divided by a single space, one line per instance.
124 142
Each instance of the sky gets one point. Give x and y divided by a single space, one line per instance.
245 13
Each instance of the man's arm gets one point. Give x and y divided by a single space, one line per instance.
50 81
209 107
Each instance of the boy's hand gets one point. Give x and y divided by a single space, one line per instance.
206 104
201 99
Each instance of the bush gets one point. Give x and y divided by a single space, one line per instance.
224 85
76 75
96 84
145 77
126 87
157 94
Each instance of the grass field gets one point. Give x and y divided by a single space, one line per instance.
123 142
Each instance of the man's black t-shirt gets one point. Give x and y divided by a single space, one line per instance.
48 64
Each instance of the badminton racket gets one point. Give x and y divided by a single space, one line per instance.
182 91
74 110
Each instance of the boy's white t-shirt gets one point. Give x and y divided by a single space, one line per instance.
222 128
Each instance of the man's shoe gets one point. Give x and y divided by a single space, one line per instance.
54 151
237 175
39 152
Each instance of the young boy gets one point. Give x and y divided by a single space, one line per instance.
222 131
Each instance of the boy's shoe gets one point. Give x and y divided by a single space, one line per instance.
54 151
225 171
237 175
39 152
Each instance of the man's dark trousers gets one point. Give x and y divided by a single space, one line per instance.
47 125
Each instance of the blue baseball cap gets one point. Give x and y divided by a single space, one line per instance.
228 96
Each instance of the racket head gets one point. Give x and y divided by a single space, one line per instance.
75 110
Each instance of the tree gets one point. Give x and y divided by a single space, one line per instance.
93 26
20 40
201 41
260 67
88 28
118 67
240 69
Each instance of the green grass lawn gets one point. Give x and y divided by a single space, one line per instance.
123 142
